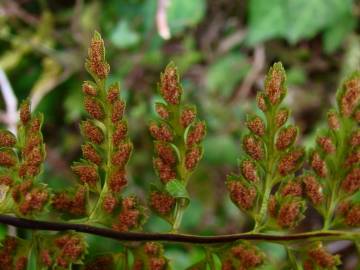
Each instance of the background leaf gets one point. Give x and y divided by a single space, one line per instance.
297 19
123 36
182 14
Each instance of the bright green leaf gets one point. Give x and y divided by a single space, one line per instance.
335 35
294 19
182 14
177 189
123 36
306 18
266 20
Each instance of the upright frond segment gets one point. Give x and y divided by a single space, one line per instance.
96 63
271 158
335 177
106 152
177 142
21 162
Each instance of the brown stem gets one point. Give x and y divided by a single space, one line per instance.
176 238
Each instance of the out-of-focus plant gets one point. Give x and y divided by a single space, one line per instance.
333 185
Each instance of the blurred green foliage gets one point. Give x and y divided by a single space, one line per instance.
295 20
215 44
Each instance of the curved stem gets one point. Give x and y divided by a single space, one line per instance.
178 238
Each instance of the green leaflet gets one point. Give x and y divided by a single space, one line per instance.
177 189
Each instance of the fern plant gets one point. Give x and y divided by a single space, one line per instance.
272 159
274 186
335 161
178 148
